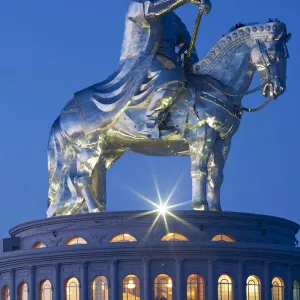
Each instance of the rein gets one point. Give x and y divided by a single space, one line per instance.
246 94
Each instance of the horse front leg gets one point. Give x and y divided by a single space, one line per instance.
215 170
200 149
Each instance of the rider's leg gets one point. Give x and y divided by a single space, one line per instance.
200 149
159 102
215 169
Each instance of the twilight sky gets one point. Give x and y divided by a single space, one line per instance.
51 49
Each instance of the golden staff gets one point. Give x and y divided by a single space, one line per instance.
193 41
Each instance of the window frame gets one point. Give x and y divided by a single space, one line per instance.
123 238
256 285
73 238
5 292
158 285
125 288
280 288
174 239
21 291
106 288
200 286
42 289
232 239
67 287
230 290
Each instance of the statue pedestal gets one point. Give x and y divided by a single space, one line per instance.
262 246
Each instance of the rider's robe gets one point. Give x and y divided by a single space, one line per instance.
148 60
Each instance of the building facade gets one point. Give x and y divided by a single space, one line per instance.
187 255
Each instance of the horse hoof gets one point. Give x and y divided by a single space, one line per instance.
200 206
215 208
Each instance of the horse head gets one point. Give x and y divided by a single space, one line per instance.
269 56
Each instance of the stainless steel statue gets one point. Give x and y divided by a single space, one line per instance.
149 105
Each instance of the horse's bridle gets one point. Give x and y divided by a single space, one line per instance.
237 110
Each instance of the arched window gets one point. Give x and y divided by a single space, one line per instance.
277 289
45 290
223 238
72 290
174 237
131 288
23 291
195 287
122 238
163 287
39 245
253 289
225 291
296 291
76 241
100 288
5 294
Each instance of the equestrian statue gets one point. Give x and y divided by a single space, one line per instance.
163 101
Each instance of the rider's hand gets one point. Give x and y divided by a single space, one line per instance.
205 5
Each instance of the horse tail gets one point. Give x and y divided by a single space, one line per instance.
61 160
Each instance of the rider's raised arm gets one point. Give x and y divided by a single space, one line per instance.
183 37
157 8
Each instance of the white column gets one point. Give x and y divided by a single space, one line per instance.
147 286
267 281
56 281
290 283
211 284
84 280
114 280
179 279
241 281
32 285
12 287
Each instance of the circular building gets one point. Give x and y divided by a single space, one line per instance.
136 255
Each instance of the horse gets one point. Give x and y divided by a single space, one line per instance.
206 115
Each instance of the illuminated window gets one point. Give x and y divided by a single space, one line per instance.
253 288
131 288
23 291
100 288
163 286
277 289
5 295
122 238
195 287
39 245
72 291
225 291
223 238
45 290
174 237
76 241
296 291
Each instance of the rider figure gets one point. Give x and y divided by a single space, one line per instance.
173 33
150 74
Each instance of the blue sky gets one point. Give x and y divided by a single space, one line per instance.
51 49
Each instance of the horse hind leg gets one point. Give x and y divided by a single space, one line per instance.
91 176
98 185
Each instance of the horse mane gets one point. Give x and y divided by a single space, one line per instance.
238 35
240 24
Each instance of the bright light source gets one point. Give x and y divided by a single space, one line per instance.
163 209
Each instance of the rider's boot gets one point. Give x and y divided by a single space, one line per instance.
156 111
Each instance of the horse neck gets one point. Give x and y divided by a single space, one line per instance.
232 67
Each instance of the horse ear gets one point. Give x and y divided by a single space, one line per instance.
288 37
